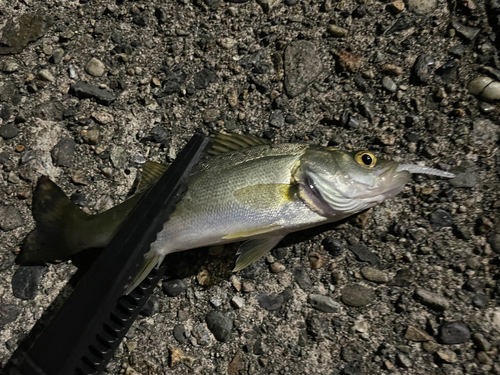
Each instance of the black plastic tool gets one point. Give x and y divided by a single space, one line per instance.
84 334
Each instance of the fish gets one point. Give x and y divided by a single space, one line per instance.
247 189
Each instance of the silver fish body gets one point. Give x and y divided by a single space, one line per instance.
251 191
262 193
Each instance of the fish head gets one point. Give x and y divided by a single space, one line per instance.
337 183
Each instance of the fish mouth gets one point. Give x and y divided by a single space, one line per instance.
391 181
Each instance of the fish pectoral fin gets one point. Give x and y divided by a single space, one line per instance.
266 196
151 172
252 250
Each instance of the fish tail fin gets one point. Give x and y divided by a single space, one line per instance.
56 217
151 260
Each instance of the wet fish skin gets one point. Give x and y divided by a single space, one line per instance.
249 191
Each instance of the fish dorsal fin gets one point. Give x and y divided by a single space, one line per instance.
223 143
151 172
252 250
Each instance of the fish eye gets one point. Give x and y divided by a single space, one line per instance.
366 159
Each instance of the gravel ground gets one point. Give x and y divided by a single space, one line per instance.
89 90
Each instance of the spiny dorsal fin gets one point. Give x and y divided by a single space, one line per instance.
151 172
223 143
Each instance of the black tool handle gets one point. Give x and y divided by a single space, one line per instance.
84 334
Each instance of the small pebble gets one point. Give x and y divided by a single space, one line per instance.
396 7
302 278
260 347
455 332
47 49
201 335
336 31
237 302
270 302
211 115
484 358
247 287
479 300
430 346
481 342
131 345
375 275
26 280
389 84
220 325
236 283
180 333
46 75
8 130
316 260
176 356
494 241
277 267
402 360
447 355
357 295
323 303
277 119
333 245
349 61
57 56
361 326
440 219
431 300
173 288
485 88
72 72
364 254
102 117
10 67
95 67
63 152
8 314
421 6
416 335
203 276
228 43
85 90
118 156
467 32
392 70
91 136
421 70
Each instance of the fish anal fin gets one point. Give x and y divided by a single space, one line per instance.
252 250
151 260
266 196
